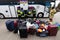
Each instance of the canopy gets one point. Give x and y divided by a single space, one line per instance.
41 2
17 1
8 2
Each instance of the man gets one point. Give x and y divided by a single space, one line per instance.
58 8
52 12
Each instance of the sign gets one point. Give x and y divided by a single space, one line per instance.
24 4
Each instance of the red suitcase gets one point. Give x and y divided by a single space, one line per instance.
52 29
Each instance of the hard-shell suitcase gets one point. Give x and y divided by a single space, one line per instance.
23 31
10 25
52 29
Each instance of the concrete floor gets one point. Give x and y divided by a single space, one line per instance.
6 35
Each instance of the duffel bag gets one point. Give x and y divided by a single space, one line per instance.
10 25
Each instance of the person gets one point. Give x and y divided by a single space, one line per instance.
56 17
20 12
58 7
52 12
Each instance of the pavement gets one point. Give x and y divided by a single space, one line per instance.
6 35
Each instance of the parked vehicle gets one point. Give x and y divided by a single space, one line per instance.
10 10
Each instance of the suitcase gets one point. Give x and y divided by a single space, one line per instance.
52 29
23 31
42 34
31 31
10 25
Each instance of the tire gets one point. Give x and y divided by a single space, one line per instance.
40 14
2 16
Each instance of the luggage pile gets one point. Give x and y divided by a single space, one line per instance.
33 27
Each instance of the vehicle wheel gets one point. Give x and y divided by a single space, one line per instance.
2 16
40 14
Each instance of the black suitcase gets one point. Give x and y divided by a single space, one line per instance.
23 31
31 31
